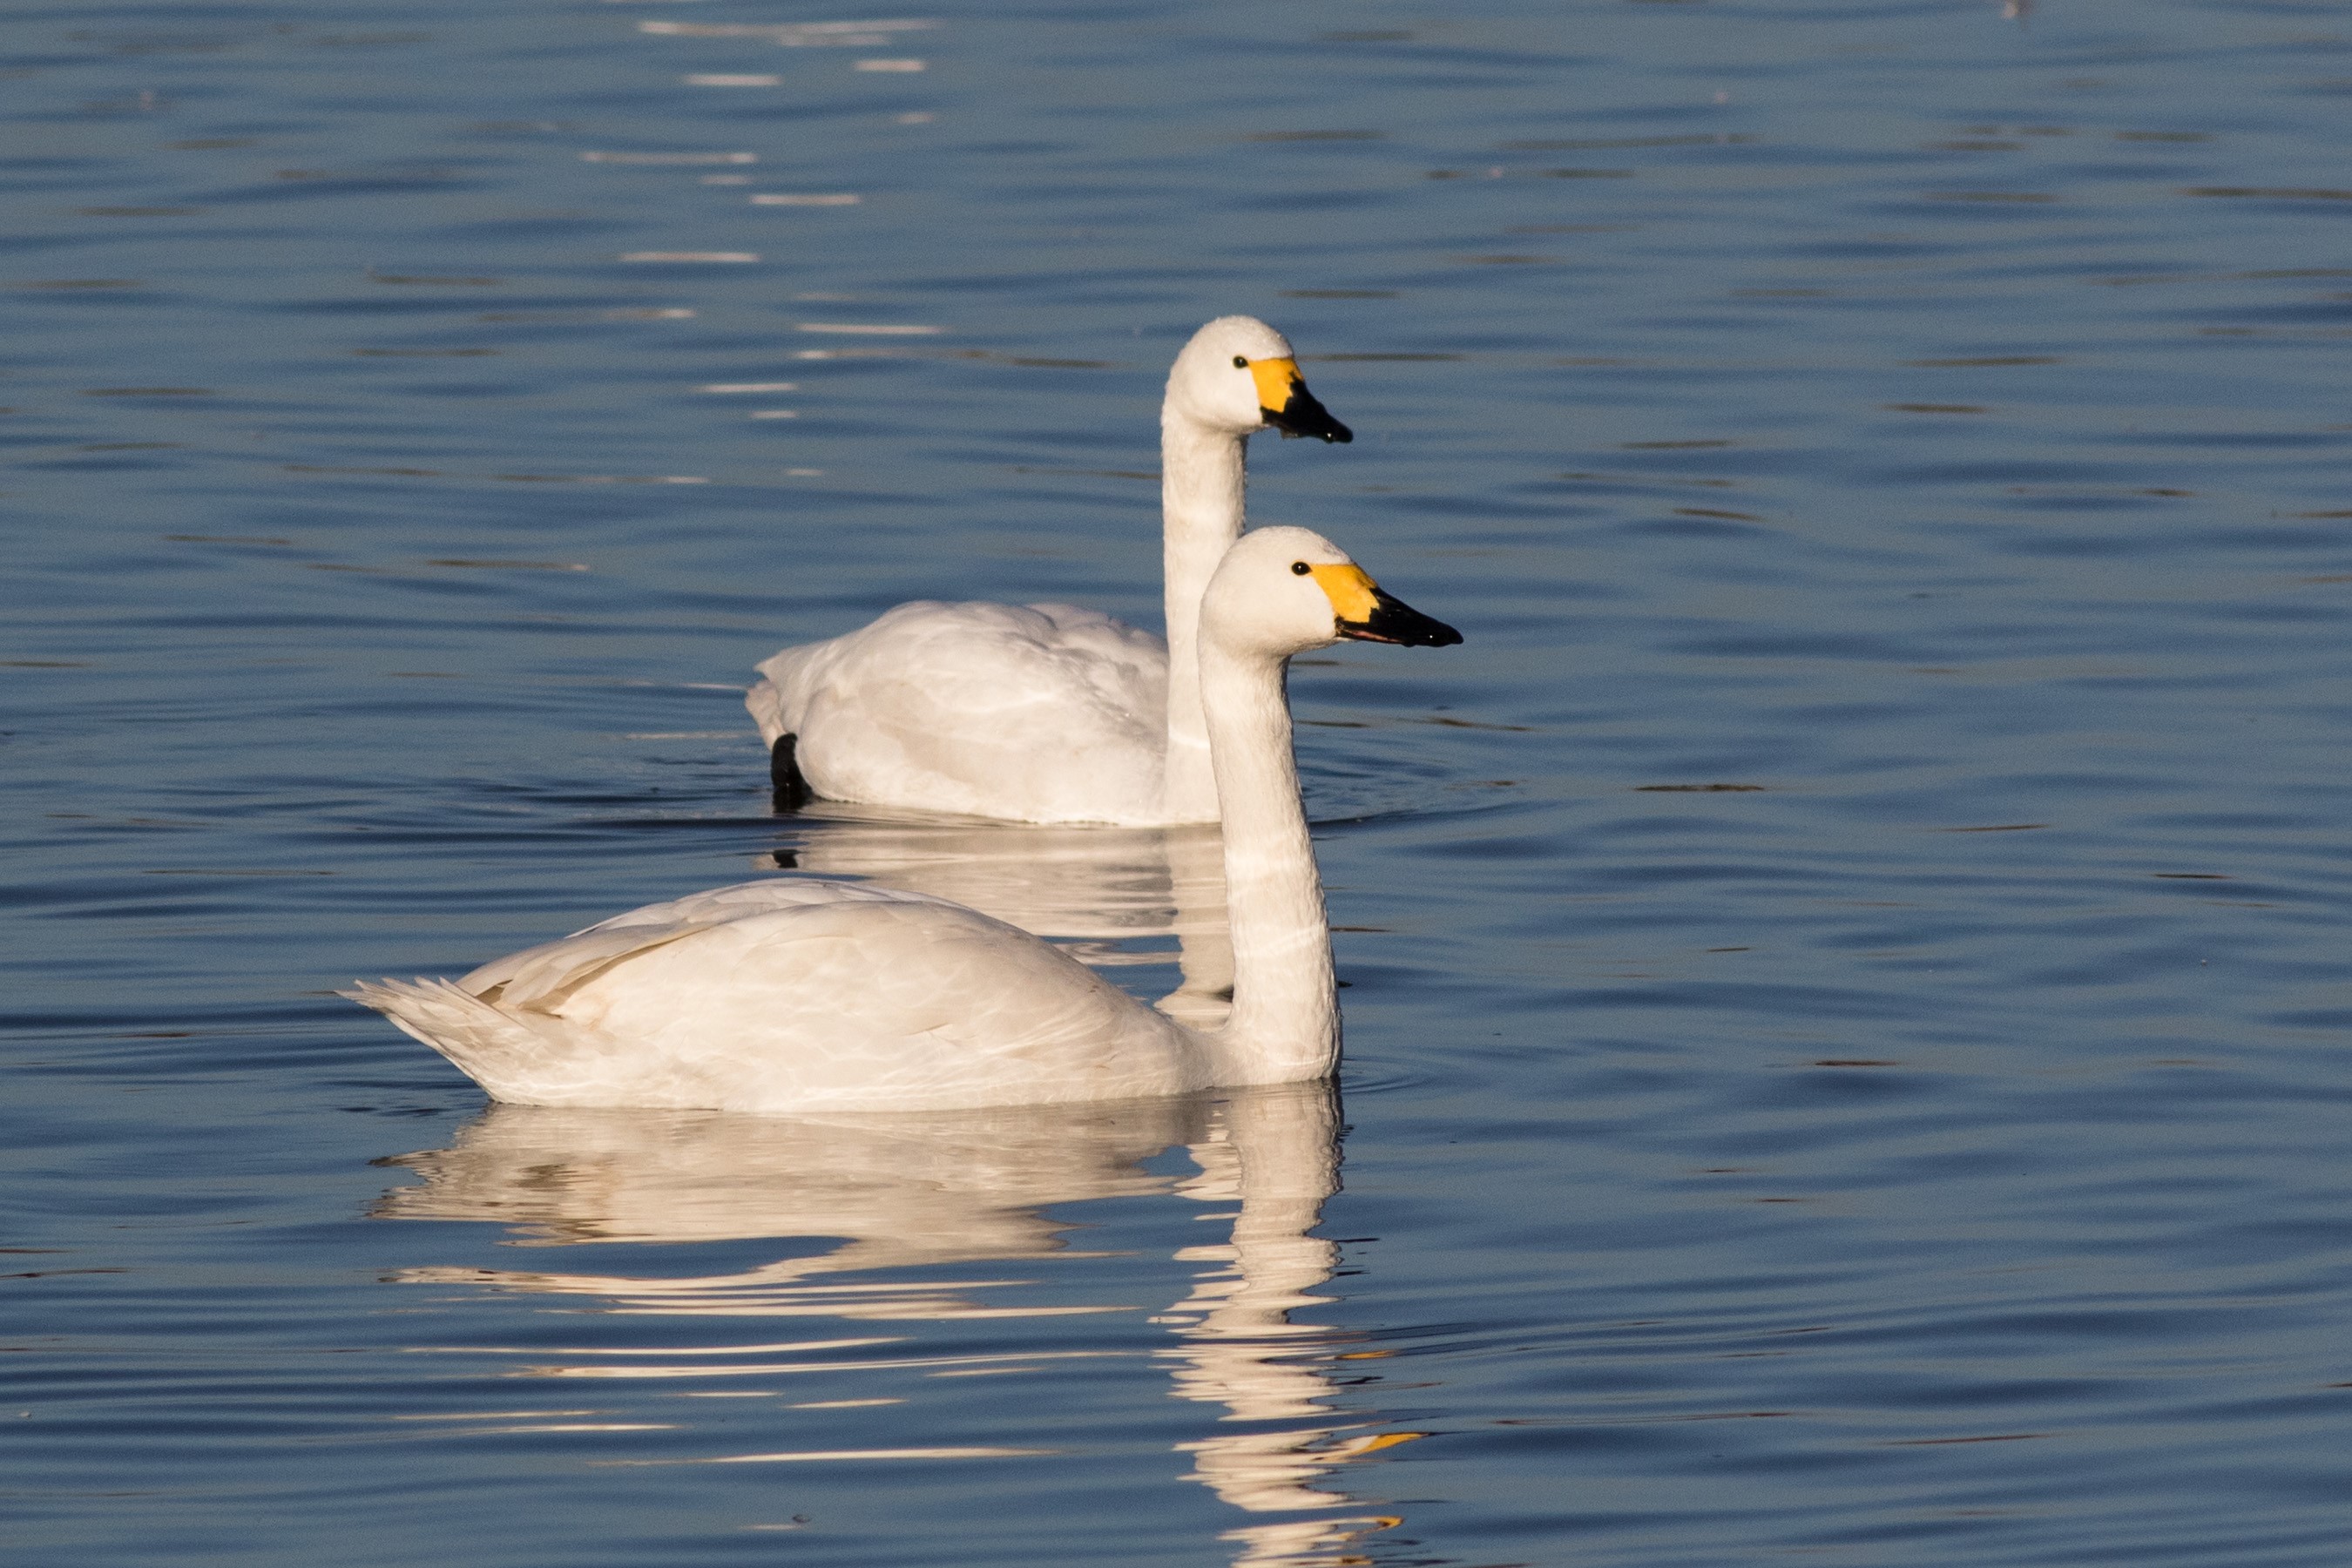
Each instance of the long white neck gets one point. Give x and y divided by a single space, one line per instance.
1284 1027
1202 478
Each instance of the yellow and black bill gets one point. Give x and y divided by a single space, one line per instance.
1288 407
1393 620
1363 611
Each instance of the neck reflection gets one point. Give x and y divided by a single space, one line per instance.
968 1188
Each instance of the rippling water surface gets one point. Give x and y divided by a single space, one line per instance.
1847 965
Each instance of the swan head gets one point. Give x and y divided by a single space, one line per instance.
1238 375
1281 591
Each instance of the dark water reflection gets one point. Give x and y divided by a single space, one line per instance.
1846 964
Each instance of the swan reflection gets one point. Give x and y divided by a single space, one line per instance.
1089 888
953 1189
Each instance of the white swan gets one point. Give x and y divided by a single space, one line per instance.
1048 713
782 996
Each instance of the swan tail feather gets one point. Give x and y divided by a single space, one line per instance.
483 1040
765 703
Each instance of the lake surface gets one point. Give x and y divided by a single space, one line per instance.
1847 965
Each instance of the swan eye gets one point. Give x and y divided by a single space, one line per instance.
1300 568
1241 362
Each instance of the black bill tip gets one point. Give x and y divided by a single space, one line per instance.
1300 414
1394 621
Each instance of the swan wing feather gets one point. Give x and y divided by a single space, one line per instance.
792 996
538 977
1037 712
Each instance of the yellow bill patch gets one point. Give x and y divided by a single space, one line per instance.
1276 379
1350 590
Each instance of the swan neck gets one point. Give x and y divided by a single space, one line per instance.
1203 479
1285 1025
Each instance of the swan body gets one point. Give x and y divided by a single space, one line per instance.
941 707
799 996
1047 712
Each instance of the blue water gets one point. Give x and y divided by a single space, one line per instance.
1846 966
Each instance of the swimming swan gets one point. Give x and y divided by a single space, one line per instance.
787 997
1048 713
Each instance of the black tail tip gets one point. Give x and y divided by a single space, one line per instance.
788 786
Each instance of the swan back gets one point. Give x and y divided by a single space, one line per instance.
1042 713
798 996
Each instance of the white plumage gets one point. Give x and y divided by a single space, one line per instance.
800 995
1037 712
1048 713
765 997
